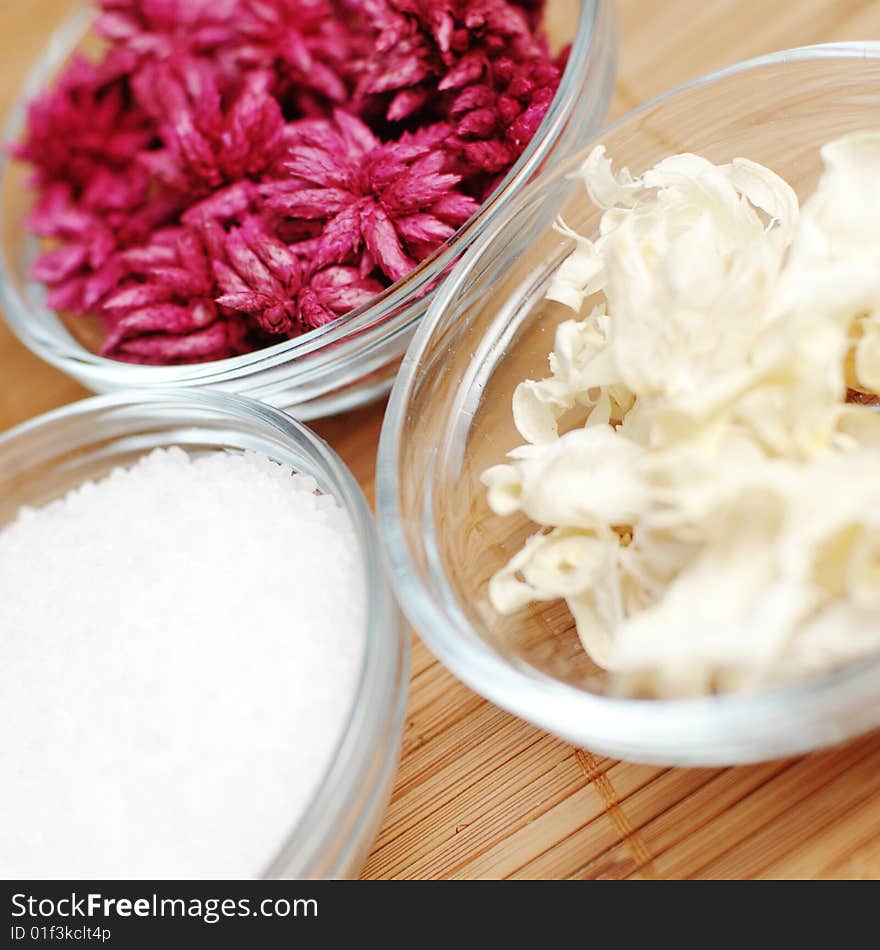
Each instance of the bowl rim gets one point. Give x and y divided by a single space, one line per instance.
367 750
725 729
387 310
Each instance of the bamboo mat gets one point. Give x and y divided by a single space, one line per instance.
481 794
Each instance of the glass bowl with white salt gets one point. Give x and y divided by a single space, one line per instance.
203 672
629 479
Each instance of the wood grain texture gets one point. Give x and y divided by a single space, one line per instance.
480 794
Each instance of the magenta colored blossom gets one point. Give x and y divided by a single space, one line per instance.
80 269
165 27
84 266
233 172
263 277
534 10
217 340
494 123
83 127
206 145
164 306
227 204
143 32
311 49
477 64
305 47
395 201
430 46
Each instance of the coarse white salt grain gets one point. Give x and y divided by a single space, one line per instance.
180 644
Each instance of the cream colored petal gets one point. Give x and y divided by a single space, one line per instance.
581 273
867 360
537 407
604 187
863 570
859 426
549 567
592 629
507 591
587 478
715 537
767 191
839 633
600 415
565 563
576 343
504 486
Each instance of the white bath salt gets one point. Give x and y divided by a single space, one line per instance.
180 644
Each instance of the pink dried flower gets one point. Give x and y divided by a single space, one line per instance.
82 127
265 279
227 204
494 122
304 44
164 305
146 31
173 268
395 199
206 145
534 10
90 230
217 339
477 64
79 270
429 46
311 49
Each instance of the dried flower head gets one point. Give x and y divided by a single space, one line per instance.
310 49
263 277
150 31
206 144
164 306
494 122
83 127
425 47
394 201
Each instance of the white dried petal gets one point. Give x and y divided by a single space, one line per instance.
564 563
592 629
604 187
587 478
505 488
847 202
581 274
840 633
538 406
867 362
857 428
767 191
507 593
724 611
863 569
579 363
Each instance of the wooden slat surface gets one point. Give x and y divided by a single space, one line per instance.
480 794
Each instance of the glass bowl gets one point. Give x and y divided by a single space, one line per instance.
43 459
354 359
450 418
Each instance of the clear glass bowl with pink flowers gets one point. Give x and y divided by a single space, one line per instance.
263 196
